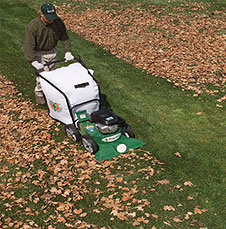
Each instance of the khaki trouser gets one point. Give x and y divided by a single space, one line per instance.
44 57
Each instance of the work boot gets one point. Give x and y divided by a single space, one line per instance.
40 100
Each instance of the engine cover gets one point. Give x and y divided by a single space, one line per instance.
104 117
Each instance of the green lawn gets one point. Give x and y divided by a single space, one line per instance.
166 118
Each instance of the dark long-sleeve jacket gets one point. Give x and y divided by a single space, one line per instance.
44 37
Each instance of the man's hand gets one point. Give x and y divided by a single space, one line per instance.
68 56
37 65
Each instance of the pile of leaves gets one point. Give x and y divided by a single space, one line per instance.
35 170
187 49
47 183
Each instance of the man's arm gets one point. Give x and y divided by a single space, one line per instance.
29 44
64 39
66 44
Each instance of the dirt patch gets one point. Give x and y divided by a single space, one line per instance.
189 52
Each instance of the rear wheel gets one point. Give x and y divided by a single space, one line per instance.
128 132
89 144
72 132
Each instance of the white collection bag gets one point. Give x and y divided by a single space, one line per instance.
69 87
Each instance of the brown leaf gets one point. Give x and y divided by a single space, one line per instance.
83 214
154 216
188 183
169 208
77 211
61 207
197 211
126 197
119 179
178 154
61 219
167 223
177 220
163 181
133 214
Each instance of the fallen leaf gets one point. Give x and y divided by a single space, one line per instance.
169 208
61 219
154 216
133 214
218 105
178 154
77 211
119 179
164 181
197 211
167 223
177 220
83 214
188 183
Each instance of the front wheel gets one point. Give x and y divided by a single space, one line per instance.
72 132
89 144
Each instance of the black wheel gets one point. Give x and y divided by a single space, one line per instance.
128 132
89 144
72 132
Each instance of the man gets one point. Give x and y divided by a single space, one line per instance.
41 38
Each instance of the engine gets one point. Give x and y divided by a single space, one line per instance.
104 129
106 121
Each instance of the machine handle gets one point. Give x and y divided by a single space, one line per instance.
53 62
78 59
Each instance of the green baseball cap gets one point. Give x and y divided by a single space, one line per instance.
49 11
